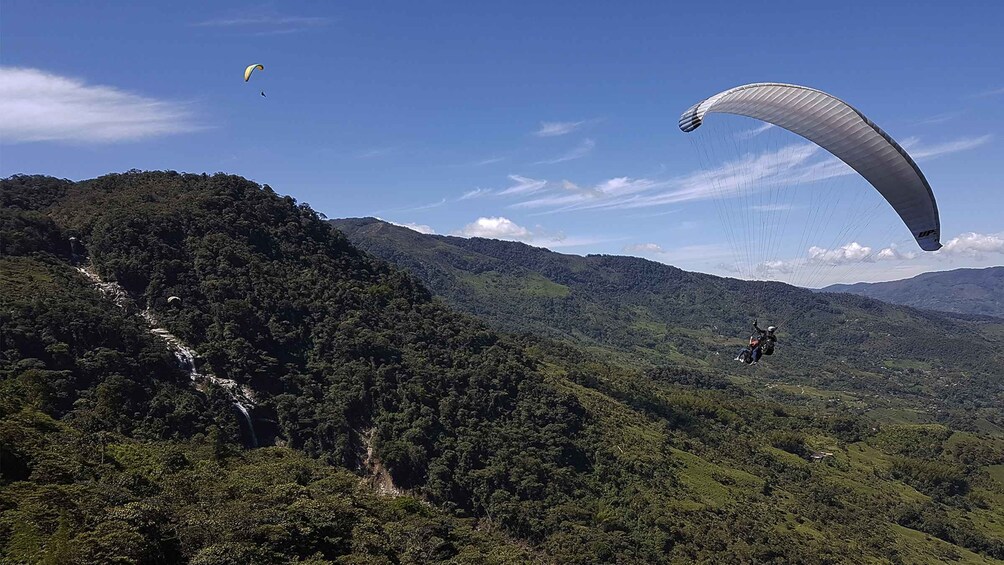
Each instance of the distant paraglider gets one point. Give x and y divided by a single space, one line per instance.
250 69
174 301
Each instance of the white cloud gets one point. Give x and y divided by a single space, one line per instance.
771 268
501 227
856 262
578 152
524 185
644 248
420 228
974 245
853 252
551 129
495 228
39 106
893 253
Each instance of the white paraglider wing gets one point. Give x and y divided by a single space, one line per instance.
846 133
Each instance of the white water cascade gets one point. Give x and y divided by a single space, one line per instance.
242 396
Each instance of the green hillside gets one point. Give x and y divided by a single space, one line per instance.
498 447
848 349
965 291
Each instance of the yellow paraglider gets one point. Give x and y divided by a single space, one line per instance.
250 69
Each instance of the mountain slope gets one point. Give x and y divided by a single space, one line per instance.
642 309
507 448
965 291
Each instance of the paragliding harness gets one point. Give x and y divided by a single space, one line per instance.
768 344
748 355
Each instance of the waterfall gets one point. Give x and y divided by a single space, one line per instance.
186 356
247 418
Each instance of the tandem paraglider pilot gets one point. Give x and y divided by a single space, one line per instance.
761 343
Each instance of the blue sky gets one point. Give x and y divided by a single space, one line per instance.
473 118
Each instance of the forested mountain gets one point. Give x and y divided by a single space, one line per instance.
639 309
498 448
966 291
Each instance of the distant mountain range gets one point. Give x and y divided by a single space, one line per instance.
640 311
963 291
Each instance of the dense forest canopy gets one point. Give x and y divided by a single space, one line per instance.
500 447
649 313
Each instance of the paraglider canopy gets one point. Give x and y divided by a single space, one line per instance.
174 300
250 69
846 133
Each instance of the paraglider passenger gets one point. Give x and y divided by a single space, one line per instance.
761 343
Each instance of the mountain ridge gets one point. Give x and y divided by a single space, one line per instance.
962 291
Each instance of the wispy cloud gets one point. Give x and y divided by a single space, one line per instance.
476 193
428 206
524 185
551 129
488 161
919 151
701 252
39 106
602 195
772 207
377 152
751 133
481 162
785 166
793 165
937 119
265 24
991 92
578 152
